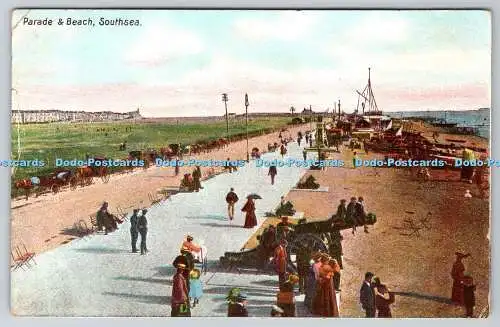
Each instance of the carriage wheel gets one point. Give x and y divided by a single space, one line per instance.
73 183
105 178
54 188
311 242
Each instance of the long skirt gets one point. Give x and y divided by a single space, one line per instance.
310 290
325 301
457 292
250 220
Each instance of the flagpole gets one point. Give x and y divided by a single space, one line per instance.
246 122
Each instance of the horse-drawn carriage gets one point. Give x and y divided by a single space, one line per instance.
85 174
148 156
303 237
49 183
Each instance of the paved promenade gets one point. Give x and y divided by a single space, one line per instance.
99 276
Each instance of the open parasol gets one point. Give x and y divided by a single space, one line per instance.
254 196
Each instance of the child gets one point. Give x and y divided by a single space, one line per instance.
195 286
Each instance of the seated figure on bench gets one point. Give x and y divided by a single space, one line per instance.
194 249
187 183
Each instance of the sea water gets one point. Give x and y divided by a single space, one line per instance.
479 119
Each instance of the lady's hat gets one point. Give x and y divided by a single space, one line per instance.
294 279
461 255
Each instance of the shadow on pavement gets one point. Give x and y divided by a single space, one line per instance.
146 280
224 290
102 250
153 299
221 225
269 282
214 217
429 297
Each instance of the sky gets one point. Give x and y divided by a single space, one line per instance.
178 63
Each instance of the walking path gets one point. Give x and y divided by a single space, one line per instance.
99 276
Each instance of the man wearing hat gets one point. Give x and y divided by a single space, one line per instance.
134 231
238 308
457 274
180 300
341 211
142 226
231 199
367 296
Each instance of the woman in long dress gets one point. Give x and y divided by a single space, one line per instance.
383 299
325 301
250 219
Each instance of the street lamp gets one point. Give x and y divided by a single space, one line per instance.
246 119
225 99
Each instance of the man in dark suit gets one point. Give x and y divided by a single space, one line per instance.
361 213
142 226
367 296
238 308
134 232
351 214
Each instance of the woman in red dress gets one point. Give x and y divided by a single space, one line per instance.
325 301
250 219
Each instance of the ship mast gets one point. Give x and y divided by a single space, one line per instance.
367 99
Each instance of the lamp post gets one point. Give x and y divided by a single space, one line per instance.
225 99
246 119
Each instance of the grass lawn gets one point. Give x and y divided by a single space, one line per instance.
74 140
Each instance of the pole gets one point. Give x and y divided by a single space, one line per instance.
246 122
224 98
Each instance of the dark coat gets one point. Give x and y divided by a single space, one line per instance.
134 223
367 297
142 224
237 310
273 170
341 212
360 212
351 213
231 197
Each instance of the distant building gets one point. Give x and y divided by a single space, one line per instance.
48 116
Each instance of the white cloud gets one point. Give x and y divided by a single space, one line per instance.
288 26
161 43
379 27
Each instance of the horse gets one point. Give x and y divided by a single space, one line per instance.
24 184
